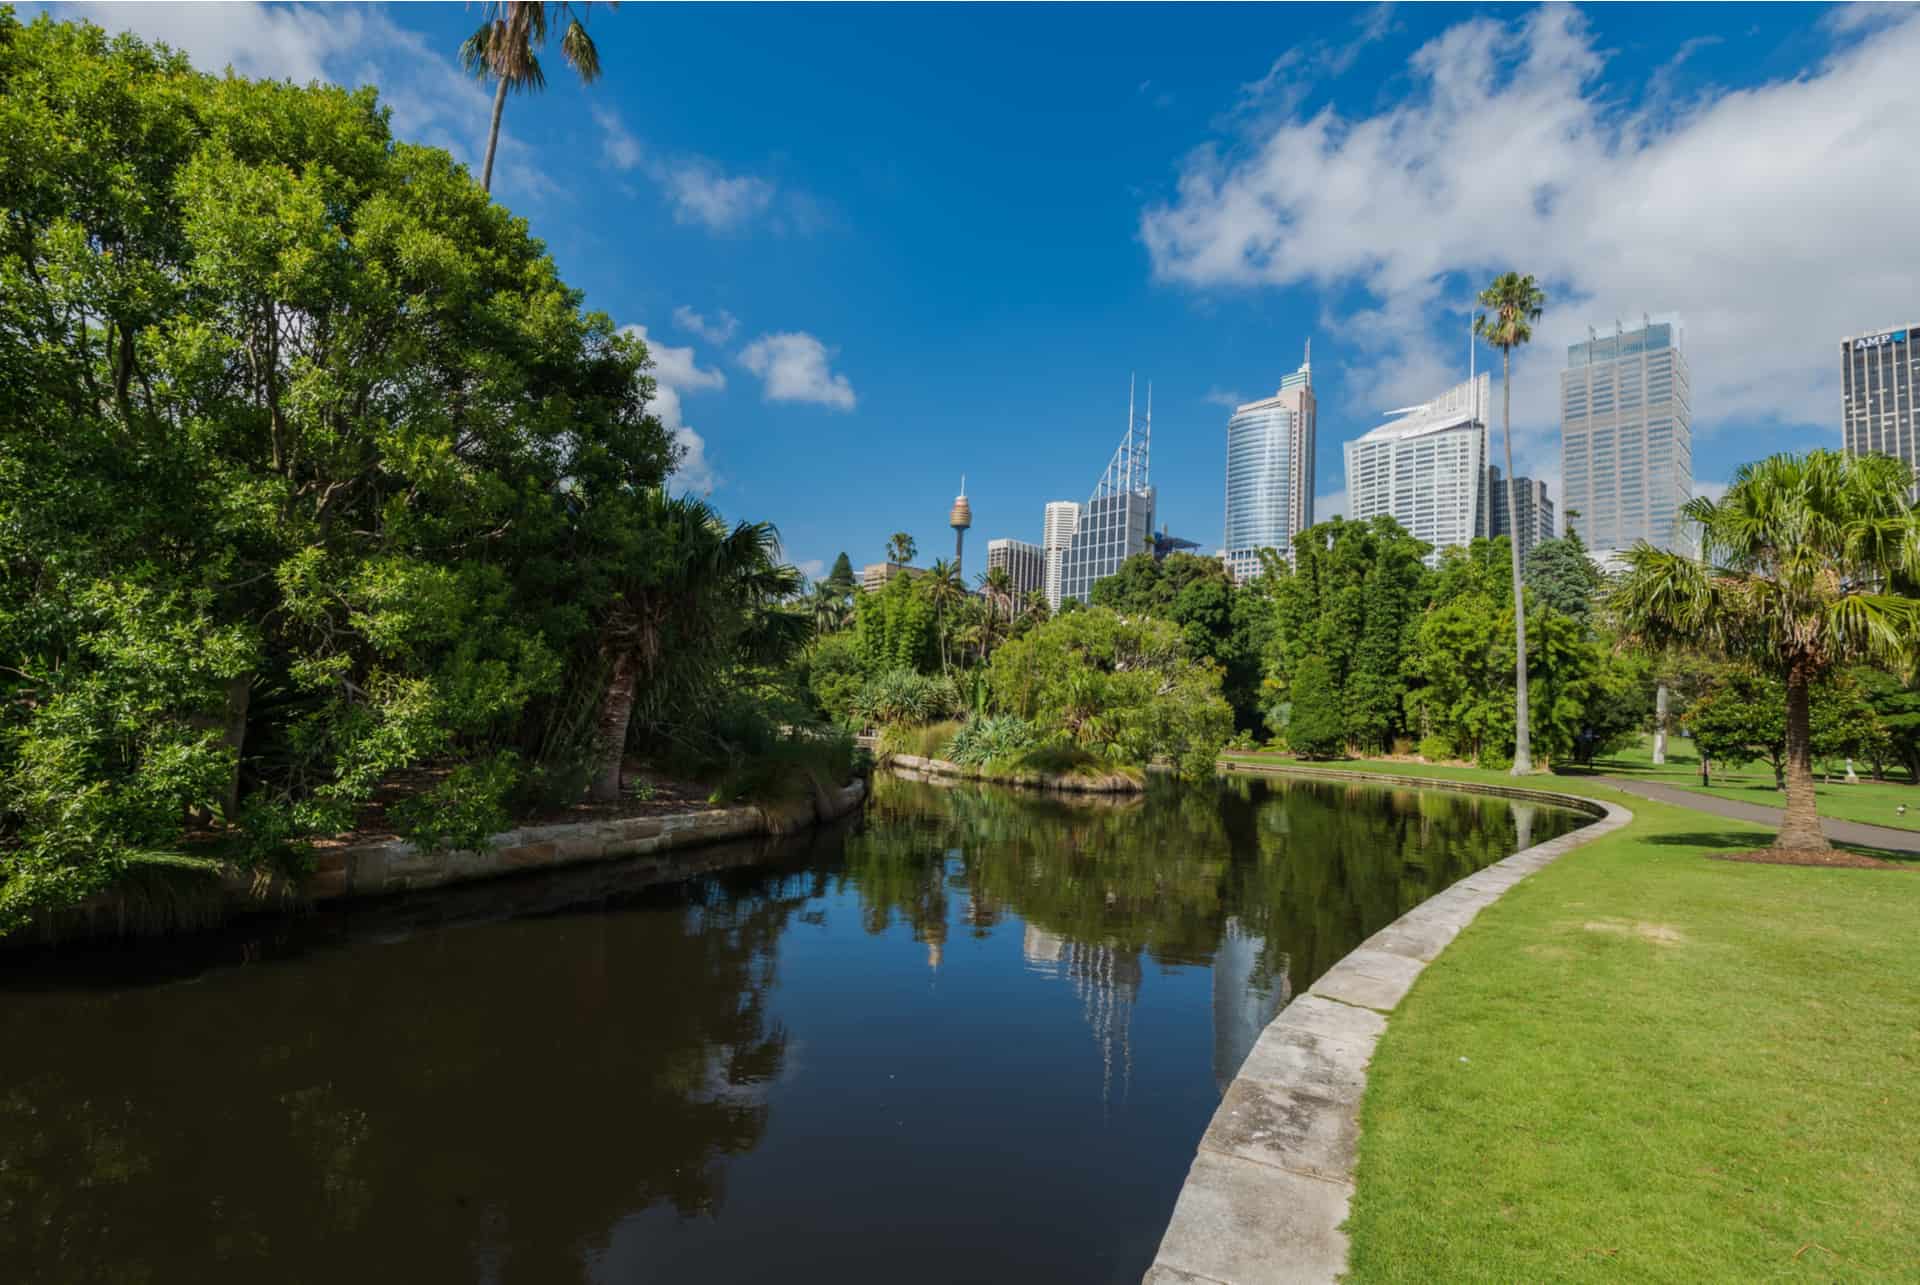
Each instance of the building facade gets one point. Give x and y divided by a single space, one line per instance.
1428 469
1026 565
1270 452
1536 510
1063 519
874 576
1879 373
1117 522
1626 440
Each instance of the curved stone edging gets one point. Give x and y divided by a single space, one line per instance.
1110 783
1271 1183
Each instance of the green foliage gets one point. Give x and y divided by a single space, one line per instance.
923 740
1896 709
984 740
841 578
1314 728
1436 749
1742 719
462 811
904 696
834 675
897 628
1561 576
1123 688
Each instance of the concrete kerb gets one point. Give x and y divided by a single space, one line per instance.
1271 1183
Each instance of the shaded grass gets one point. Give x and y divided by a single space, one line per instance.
1641 1064
1866 800
925 740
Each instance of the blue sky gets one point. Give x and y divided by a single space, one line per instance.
877 248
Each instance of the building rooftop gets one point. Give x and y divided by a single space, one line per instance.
1462 404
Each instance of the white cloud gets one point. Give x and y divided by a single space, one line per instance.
715 330
811 568
794 367
1746 212
676 371
699 190
620 148
1333 505
1223 397
1711 490
434 102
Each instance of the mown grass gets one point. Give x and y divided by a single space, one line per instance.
1642 1064
1874 802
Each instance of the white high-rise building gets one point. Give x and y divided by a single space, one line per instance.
1427 469
1063 519
1025 564
1270 447
1626 440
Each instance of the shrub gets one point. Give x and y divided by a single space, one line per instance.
986 739
1314 727
927 741
1436 749
464 810
905 696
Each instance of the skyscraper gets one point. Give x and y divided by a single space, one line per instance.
1063 519
1270 446
1118 521
1879 374
1427 469
1026 566
1536 510
1626 445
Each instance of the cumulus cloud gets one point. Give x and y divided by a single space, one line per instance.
795 367
1746 212
715 330
677 372
699 190
433 100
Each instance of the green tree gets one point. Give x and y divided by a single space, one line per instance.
1513 302
505 49
1314 727
1743 718
1804 561
1561 576
900 548
1896 708
841 576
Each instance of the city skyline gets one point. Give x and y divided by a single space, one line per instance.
1250 177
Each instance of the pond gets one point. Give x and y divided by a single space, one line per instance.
976 1035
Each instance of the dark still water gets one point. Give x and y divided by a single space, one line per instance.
975 1037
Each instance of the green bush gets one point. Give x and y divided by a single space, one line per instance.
983 740
1315 729
1436 749
923 740
464 810
906 696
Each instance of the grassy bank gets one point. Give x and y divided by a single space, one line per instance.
1874 802
1643 1064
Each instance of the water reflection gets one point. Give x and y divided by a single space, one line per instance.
969 1013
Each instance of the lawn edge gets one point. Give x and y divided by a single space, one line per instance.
1267 1195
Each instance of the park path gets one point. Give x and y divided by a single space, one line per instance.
1872 836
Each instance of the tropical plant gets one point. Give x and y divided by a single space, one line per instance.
1513 302
505 49
693 583
945 590
905 696
999 737
900 548
1805 565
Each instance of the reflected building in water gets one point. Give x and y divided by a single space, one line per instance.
1107 980
1242 1006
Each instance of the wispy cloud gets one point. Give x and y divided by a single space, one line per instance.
715 330
1224 397
620 148
796 367
700 191
676 372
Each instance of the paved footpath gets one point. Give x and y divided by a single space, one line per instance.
1871 836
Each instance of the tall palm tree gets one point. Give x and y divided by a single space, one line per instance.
702 596
997 583
505 48
944 588
900 548
1513 303
1807 563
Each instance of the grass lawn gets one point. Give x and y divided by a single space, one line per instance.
1642 1064
1863 800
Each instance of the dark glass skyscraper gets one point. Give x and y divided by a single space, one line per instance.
1879 373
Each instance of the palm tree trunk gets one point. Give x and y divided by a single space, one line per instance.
616 712
493 132
1800 828
1522 735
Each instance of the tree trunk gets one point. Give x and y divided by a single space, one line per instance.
1522 734
239 697
616 712
1704 780
1800 828
1659 724
493 132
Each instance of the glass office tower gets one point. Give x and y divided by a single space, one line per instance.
1117 522
1626 444
1270 448
1878 375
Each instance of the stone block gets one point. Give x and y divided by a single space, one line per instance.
1158 1275
1295 1126
1416 935
587 846
323 885
1330 1021
1370 978
1244 1223
527 855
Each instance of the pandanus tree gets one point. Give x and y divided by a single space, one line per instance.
700 597
506 50
1513 303
1807 563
